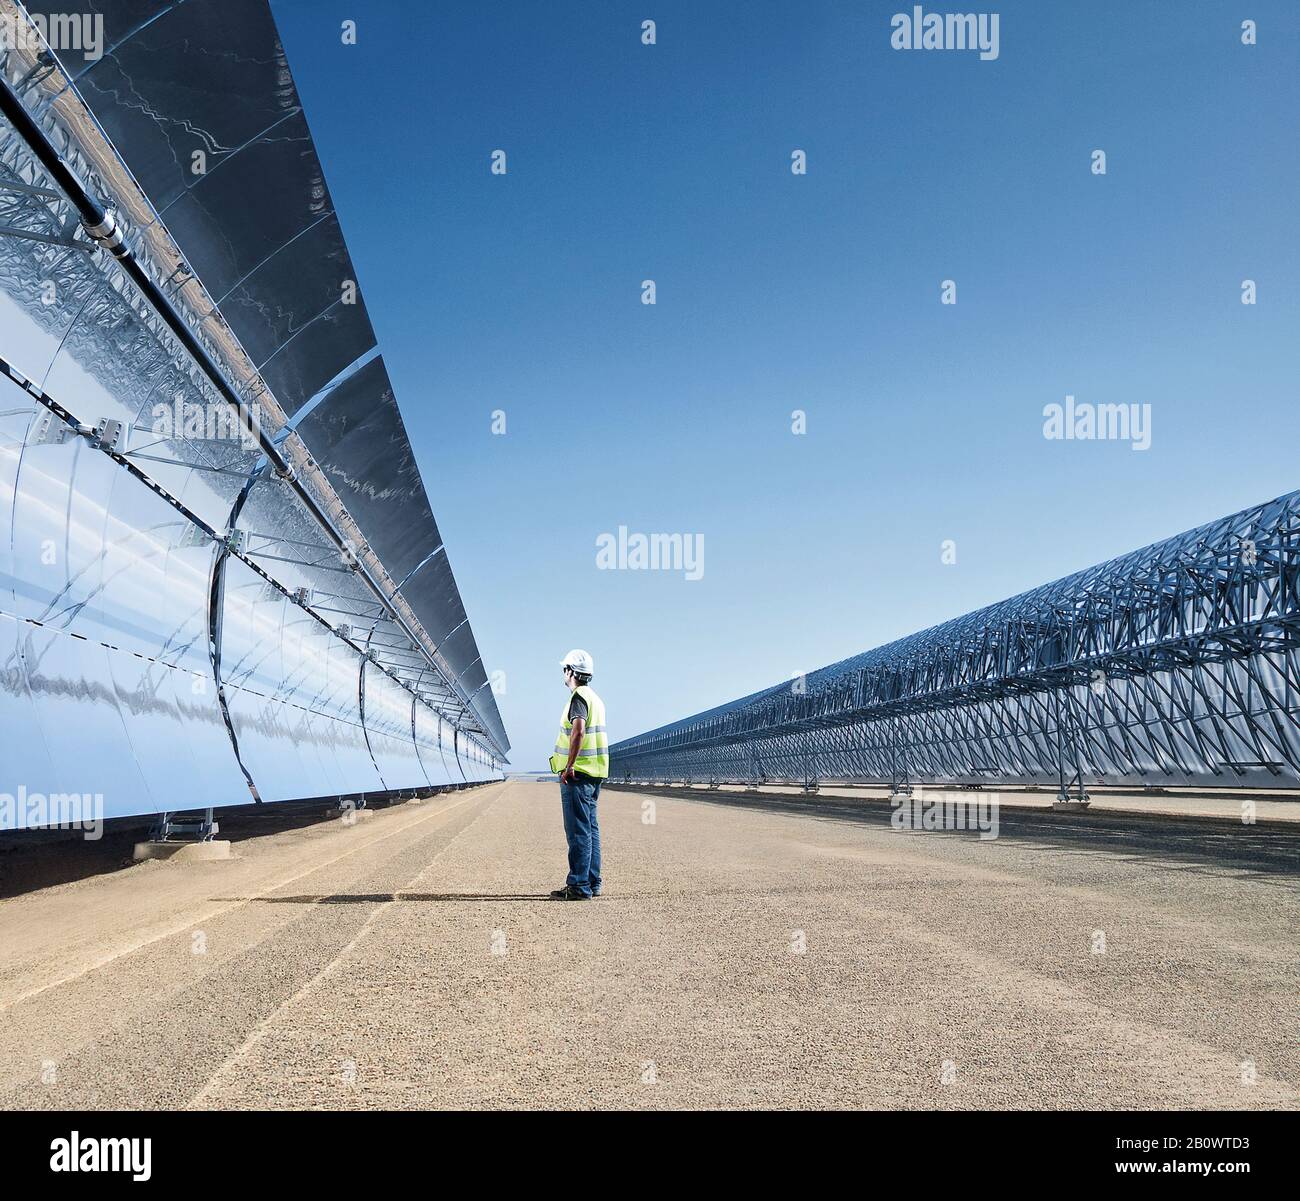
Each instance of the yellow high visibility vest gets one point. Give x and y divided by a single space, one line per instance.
593 754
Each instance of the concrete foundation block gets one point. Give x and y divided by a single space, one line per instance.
183 852
350 817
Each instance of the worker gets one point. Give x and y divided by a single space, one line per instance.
581 760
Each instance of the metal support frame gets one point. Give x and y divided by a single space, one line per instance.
811 780
361 708
899 782
1066 737
31 235
171 828
1178 664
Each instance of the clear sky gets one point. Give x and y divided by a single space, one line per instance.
821 292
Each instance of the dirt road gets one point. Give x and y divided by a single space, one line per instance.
745 954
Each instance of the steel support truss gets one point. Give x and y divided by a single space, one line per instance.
1177 664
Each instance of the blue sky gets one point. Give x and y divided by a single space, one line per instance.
820 292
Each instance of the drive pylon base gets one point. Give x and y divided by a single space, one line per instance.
1068 804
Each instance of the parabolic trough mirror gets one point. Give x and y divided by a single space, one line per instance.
220 577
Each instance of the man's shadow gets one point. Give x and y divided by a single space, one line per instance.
372 898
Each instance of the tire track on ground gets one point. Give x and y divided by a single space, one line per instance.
126 1050
267 1024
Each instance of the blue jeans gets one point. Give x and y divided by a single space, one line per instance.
578 800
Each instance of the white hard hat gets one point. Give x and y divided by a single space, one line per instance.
580 661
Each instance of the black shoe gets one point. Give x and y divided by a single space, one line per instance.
568 894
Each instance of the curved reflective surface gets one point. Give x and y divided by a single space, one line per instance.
177 630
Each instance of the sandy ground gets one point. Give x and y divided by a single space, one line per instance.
748 952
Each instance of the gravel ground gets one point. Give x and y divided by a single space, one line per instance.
743 955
